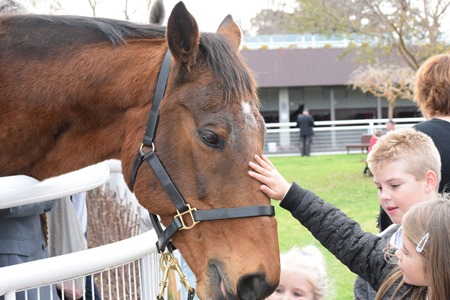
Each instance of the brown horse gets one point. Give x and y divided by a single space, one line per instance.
75 91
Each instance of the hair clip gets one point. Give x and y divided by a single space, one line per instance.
423 241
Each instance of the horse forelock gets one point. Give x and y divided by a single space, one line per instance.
229 69
72 30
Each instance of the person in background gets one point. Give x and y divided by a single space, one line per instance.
432 94
373 139
303 275
306 124
23 238
80 206
390 125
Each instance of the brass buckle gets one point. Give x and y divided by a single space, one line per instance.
180 216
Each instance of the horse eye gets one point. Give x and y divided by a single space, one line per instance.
210 139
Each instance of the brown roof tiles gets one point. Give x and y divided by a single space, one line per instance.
300 67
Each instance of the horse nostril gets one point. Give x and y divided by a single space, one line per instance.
253 287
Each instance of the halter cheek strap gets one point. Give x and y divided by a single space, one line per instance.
186 217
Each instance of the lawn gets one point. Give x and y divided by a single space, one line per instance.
338 179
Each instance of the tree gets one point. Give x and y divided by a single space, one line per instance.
412 29
269 22
390 82
93 4
274 19
44 6
401 34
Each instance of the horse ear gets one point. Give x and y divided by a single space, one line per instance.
183 36
231 31
157 12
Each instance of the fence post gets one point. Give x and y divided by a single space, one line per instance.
10 295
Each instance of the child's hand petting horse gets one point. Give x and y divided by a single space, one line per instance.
274 184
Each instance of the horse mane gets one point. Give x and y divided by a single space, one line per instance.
40 35
75 30
229 68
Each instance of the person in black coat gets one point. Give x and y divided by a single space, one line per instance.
432 94
306 124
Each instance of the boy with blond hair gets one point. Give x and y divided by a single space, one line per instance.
406 167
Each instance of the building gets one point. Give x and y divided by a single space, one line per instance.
314 73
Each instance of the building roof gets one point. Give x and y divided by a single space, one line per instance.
300 67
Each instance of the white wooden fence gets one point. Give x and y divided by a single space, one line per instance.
130 257
329 136
129 268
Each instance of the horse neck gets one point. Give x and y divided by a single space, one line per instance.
82 127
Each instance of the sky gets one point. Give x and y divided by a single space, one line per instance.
208 13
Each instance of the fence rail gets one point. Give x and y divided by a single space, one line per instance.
329 136
127 269
93 261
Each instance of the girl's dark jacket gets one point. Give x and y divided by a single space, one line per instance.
362 252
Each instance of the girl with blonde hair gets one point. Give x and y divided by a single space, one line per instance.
423 267
303 275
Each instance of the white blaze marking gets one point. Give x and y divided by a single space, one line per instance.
248 116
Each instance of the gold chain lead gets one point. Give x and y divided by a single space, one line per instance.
167 262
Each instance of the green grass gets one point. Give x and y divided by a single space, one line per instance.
338 179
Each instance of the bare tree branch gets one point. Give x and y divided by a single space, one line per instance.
413 29
93 4
390 82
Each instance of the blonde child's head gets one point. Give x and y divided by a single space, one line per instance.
415 150
432 86
305 264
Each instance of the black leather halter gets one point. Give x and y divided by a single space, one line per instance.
183 209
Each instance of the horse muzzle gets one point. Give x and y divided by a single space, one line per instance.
249 286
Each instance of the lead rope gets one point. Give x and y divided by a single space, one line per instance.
168 262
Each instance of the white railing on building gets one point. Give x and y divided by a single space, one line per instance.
329 136
295 41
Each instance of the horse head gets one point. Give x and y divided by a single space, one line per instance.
209 128
91 102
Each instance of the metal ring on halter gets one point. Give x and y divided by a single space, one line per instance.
151 150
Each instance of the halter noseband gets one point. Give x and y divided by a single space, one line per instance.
183 209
